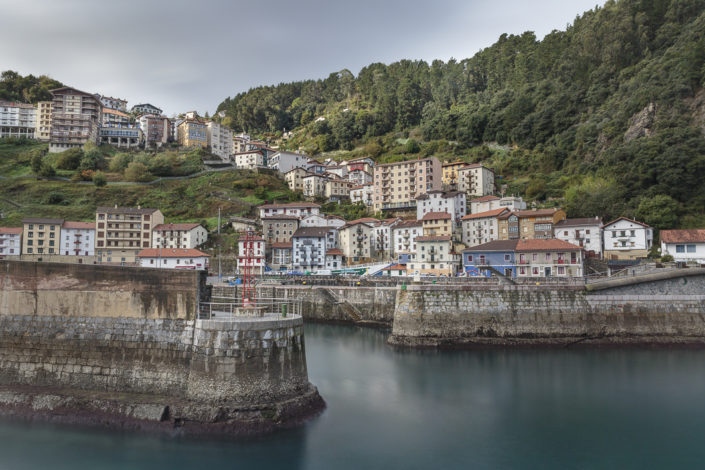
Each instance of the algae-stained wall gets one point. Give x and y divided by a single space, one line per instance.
431 315
49 289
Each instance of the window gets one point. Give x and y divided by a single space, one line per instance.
506 257
469 257
690 248
680 248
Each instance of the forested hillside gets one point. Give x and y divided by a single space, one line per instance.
29 89
606 118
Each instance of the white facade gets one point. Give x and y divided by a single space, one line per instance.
334 259
362 194
684 245
220 140
17 120
146 108
114 103
359 177
308 248
10 241
258 251
173 259
77 239
627 239
178 236
248 160
476 180
341 171
286 161
314 185
481 228
585 233
382 238
405 234
296 209
318 220
488 203
453 203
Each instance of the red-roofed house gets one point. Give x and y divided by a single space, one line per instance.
179 236
684 245
334 258
434 256
172 258
481 227
10 242
626 239
437 223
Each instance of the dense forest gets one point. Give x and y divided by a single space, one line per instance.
29 89
605 118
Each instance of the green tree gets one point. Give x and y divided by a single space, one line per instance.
36 163
99 179
137 172
119 162
69 159
47 170
660 211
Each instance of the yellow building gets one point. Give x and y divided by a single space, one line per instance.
356 239
122 232
530 224
192 133
396 185
450 172
295 179
437 223
434 256
41 236
43 130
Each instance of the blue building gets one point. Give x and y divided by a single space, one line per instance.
498 255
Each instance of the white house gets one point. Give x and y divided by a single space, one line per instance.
341 171
284 162
359 177
77 239
308 248
10 241
334 258
452 202
585 233
404 235
684 245
248 160
476 180
314 185
258 253
482 227
488 203
317 220
296 209
179 236
382 237
626 239
173 258
362 193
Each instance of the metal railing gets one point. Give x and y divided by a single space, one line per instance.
228 308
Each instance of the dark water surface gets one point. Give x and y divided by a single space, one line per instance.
426 409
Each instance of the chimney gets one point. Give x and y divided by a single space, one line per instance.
115 206
138 206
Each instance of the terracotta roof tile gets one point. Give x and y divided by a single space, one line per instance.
550 244
79 225
171 253
696 235
162 227
481 215
10 230
437 216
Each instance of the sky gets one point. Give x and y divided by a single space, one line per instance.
183 55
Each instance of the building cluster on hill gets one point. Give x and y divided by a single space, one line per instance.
117 236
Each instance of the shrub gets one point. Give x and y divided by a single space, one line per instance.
46 170
667 259
70 159
137 172
99 179
120 162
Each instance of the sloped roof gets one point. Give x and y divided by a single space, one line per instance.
316 232
334 252
437 216
579 222
10 230
433 238
79 225
42 220
162 227
551 244
696 235
171 253
485 198
495 245
628 220
289 205
482 215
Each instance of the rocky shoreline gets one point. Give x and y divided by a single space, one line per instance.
156 414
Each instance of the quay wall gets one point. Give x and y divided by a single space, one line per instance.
129 332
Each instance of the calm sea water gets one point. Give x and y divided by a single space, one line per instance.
424 409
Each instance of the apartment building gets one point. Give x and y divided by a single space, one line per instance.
113 103
122 232
43 130
75 119
489 203
434 257
405 234
279 228
156 129
146 108
281 256
314 185
115 118
359 177
179 236
41 236
481 228
192 133
17 120
585 233
121 137
476 180
308 250
365 164
248 160
356 240
452 202
240 143
10 242
295 179
318 220
220 140
627 239
396 185
382 237
77 238
535 223
172 258
257 257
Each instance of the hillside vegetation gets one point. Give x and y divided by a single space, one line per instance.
605 118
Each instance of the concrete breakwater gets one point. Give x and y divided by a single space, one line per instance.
125 347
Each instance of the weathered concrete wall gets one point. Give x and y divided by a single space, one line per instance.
138 334
439 316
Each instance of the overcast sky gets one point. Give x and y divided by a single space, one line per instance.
182 55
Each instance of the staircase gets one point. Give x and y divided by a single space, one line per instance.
344 305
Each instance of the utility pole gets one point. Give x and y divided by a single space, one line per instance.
220 274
